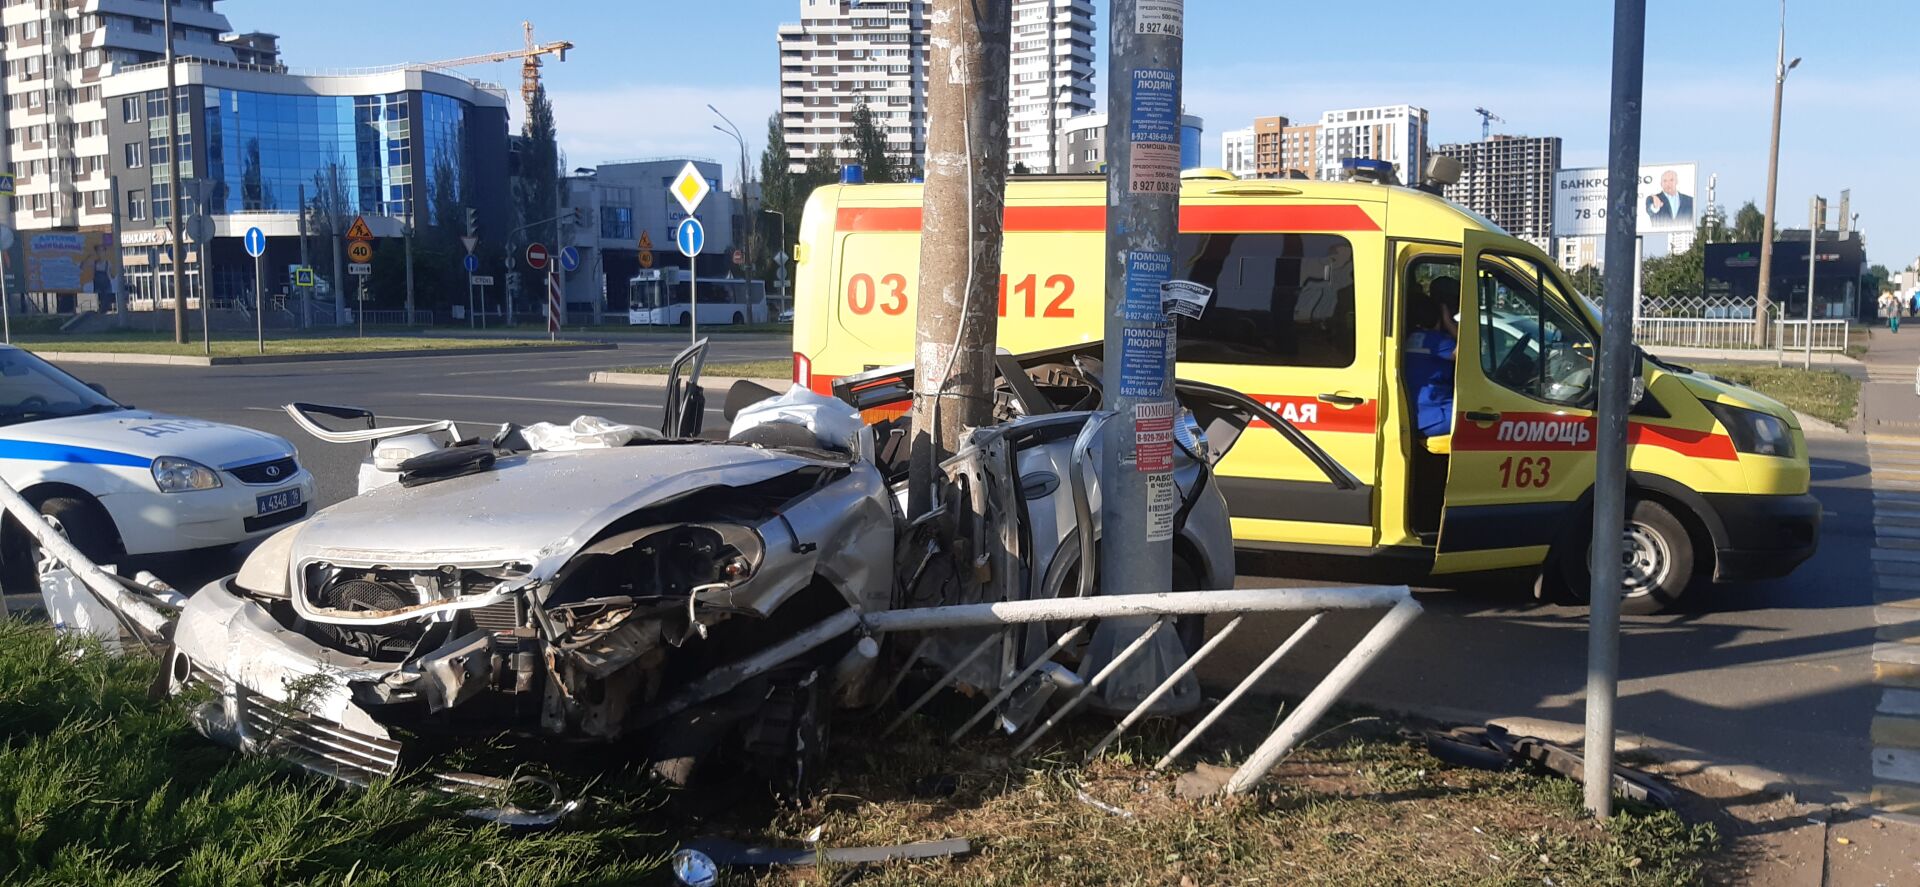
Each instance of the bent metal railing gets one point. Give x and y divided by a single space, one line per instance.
1162 609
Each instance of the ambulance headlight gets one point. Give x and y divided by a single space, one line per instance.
1753 431
177 475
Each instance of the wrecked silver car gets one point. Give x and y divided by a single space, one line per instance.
643 593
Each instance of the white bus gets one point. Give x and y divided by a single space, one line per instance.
660 297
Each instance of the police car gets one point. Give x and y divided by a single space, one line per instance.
122 481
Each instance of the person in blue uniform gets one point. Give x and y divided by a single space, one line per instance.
1428 363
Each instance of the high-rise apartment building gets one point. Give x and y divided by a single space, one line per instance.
56 56
1272 148
843 53
1050 76
1236 152
1394 133
1508 179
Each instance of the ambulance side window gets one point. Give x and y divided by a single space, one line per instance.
1529 342
1278 299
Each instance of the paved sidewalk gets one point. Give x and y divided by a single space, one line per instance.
1890 414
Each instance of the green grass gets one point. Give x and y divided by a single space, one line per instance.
240 346
102 785
1823 394
745 369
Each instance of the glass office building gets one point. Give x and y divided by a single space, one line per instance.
376 145
264 149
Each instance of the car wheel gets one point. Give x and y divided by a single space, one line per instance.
82 521
1657 560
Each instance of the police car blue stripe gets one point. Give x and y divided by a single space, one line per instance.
38 451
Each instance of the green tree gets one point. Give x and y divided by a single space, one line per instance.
779 192
1878 279
1591 283
1676 275
538 184
868 147
1748 224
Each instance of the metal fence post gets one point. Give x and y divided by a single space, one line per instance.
1616 378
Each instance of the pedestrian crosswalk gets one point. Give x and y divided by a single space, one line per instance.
1895 373
1895 731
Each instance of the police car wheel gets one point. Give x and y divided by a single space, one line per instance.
81 521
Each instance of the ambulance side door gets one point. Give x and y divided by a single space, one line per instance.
1523 428
1293 324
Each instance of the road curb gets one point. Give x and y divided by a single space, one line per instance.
111 357
659 380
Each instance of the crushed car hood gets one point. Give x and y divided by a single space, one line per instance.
536 509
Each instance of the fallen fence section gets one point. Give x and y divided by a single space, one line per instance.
1161 609
67 577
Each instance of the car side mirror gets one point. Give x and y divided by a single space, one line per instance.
1637 389
98 388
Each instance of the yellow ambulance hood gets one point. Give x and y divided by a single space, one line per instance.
1714 389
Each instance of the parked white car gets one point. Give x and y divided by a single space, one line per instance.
122 481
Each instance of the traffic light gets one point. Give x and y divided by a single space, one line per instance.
579 217
473 223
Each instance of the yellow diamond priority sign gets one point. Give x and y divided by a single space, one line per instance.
690 187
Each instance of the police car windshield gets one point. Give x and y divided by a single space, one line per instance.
32 389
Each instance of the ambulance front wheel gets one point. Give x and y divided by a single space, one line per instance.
1656 556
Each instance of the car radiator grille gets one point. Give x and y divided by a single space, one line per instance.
312 742
317 743
262 473
500 617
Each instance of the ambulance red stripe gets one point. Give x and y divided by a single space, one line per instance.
1193 219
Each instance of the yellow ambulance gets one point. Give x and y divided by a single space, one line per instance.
1318 290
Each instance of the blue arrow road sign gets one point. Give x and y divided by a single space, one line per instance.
569 259
472 262
256 242
691 236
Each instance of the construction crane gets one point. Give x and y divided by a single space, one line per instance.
529 56
1486 122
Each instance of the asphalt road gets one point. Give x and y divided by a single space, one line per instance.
1774 674
478 392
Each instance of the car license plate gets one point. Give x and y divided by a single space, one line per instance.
280 501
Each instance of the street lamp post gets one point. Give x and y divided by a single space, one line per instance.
746 201
1780 68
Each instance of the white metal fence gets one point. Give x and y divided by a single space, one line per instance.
1732 334
1701 322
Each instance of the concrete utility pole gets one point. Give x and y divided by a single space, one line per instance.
1816 217
1780 68
1617 356
1143 213
120 295
966 184
408 234
306 299
174 185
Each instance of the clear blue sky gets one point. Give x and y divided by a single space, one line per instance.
642 73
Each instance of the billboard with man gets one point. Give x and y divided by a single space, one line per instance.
1664 202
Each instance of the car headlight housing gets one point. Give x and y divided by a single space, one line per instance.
1753 432
177 475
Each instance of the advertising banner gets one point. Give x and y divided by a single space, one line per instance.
1664 201
65 261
